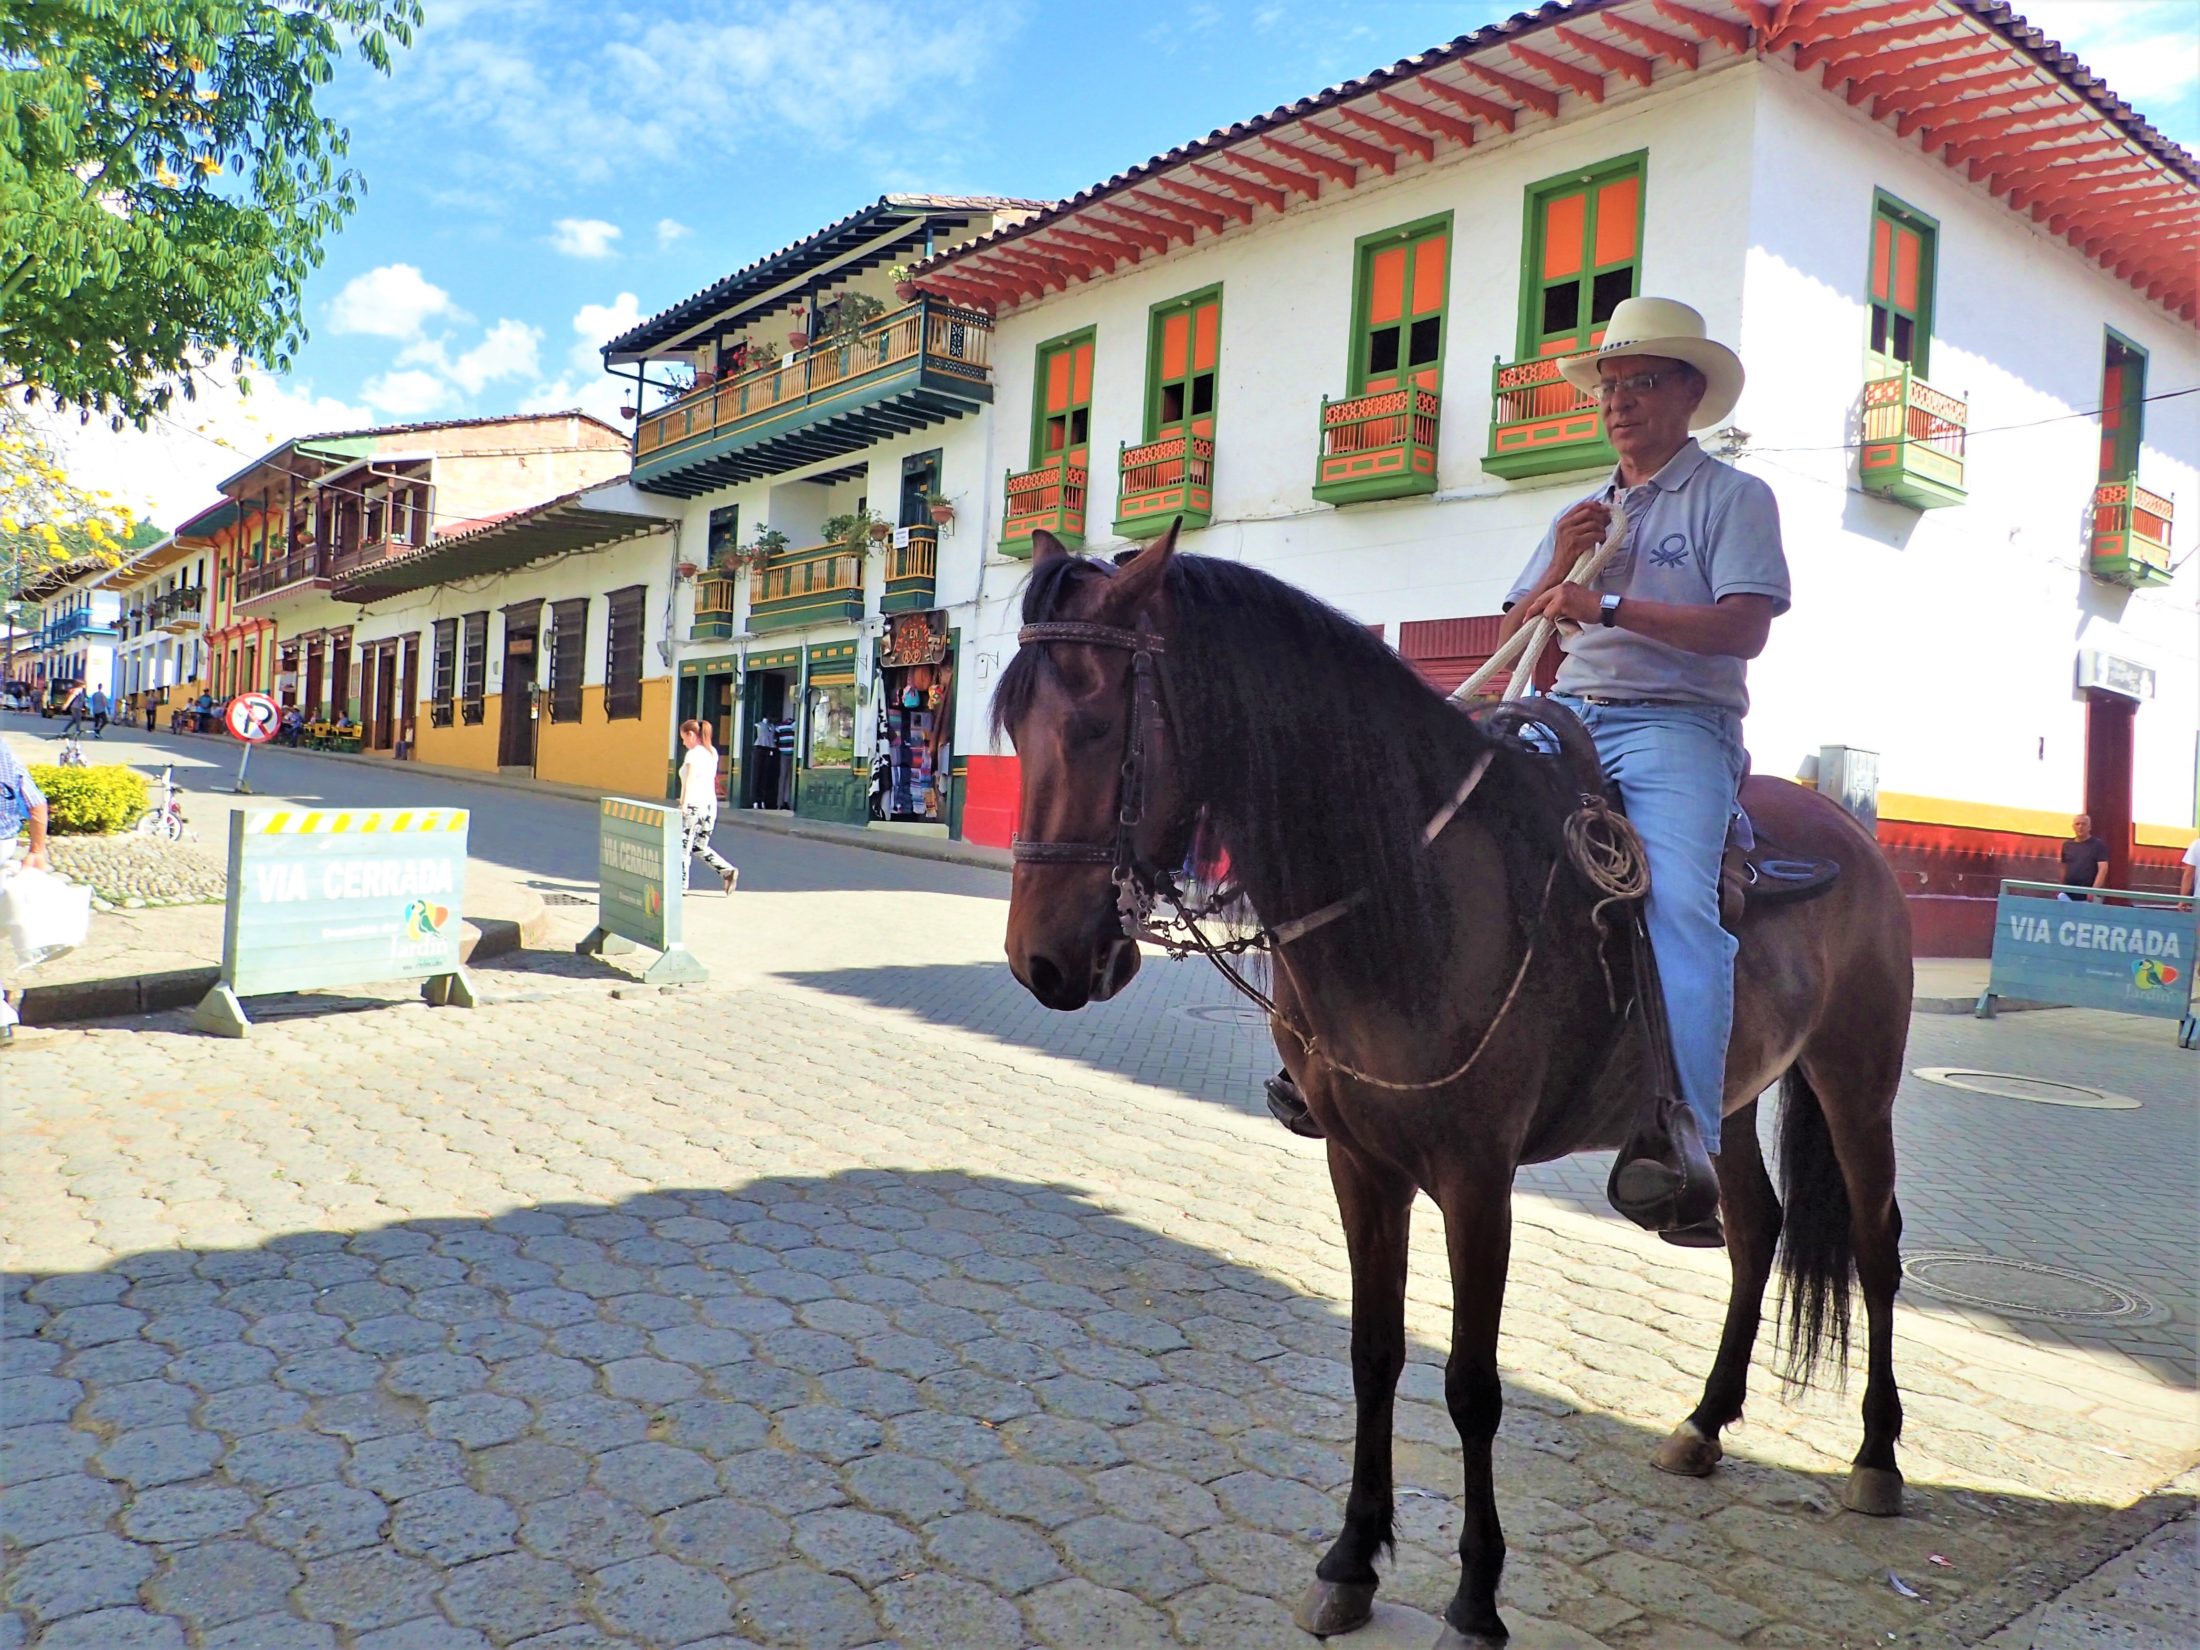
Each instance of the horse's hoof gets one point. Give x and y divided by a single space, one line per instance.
1333 1607
1873 1491
1687 1452
1453 1639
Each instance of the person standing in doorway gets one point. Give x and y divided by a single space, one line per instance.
764 787
699 802
2084 857
786 763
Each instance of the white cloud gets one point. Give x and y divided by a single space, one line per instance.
169 470
595 325
670 230
602 395
2147 50
584 237
510 349
393 301
405 393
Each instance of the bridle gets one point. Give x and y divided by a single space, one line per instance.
1136 879
1592 831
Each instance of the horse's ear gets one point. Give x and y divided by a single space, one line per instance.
1140 581
1045 547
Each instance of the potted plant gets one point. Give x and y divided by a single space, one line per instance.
754 555
856 531
904 288
797 338
942 508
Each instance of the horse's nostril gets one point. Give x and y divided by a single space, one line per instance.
1043 978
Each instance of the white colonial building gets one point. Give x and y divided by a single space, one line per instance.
1961 274
160 651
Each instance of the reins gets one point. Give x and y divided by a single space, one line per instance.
1601 844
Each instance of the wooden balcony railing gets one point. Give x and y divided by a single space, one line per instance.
373 550
912 569
798 587
713 608
1377 446
1913 442
956 341
1052 497
1160 480
1540 424
271 576
2131 533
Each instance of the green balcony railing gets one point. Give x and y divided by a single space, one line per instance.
713 608
1913 442
912 571
1377 446
1052 497
2130 539
817 585
1163 479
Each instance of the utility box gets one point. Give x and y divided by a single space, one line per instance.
1851 777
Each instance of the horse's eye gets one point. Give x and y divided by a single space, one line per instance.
1085 729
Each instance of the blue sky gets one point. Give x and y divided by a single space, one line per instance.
540 174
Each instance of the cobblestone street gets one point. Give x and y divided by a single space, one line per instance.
835 1305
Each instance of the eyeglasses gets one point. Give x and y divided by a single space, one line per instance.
1635 383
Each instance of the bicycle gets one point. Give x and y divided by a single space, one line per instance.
165 818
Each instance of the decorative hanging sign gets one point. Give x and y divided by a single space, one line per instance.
913 639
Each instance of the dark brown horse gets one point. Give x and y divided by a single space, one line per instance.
1177 687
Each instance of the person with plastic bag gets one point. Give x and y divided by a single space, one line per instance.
22 820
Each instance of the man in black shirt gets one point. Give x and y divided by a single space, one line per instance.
2084 857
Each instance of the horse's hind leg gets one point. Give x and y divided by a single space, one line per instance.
1751 1213
1859 1110
1478 1233
1376 1204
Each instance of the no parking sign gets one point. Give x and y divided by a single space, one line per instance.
253 719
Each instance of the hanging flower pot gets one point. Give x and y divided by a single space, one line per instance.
797 338
906 291
687 570
942 514
880 529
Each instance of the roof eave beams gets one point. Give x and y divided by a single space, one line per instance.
1568 75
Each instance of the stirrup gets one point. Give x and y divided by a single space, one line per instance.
1288 1107
1669 1191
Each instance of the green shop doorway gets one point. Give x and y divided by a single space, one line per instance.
707 695
767 744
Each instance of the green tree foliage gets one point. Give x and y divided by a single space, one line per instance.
166 185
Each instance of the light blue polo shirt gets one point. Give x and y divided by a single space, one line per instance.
1696 531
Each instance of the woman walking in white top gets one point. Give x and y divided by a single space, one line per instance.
699 800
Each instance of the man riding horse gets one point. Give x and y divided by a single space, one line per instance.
1655 672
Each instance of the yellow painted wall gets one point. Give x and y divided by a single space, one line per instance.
622 758
462 745
1991 816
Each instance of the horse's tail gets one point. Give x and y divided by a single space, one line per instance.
1816 1264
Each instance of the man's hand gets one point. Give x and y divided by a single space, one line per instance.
1580 530
1566 601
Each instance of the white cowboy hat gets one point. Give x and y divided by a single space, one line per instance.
1663 327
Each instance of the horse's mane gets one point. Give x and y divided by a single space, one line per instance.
1318 754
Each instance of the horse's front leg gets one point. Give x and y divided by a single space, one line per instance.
1376 1204
1478 1236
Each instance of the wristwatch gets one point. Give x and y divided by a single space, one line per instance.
1608 611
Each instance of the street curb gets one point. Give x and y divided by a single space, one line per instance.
1969 1005
72 1000
2013 1592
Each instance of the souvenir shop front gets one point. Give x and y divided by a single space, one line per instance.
914 692
830 785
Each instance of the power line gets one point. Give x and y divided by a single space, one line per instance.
1968 434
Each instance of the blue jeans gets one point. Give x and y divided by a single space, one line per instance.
1678 768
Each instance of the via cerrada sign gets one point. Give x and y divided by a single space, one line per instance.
641 888
2134 956
330 897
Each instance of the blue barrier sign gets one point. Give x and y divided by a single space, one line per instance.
336 897
2134 956
641 888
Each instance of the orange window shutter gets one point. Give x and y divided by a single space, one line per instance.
1175 343
1386 287
1058 381
1081 377
1206 336
1428 274
1616 209
1906 249
1564 218
1882 259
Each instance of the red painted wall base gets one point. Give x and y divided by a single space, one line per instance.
992 798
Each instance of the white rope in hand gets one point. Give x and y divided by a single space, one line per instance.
1527 643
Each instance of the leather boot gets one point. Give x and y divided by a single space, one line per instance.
1288 1107
1665 1182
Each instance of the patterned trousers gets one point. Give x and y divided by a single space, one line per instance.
696 824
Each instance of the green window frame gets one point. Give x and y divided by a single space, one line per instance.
1061 398
1401 289
1183 363
1580 253
2123 405
1899 284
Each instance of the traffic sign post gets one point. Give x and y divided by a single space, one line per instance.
641 877
251 719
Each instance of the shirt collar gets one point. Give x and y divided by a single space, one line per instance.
1672 478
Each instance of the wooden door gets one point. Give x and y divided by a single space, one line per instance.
385 698
339 679
1064 434
408 694
1186 345
2110 721
1401 323
2123 408
516 731
310 705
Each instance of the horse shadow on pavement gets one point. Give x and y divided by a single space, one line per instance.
932 1407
